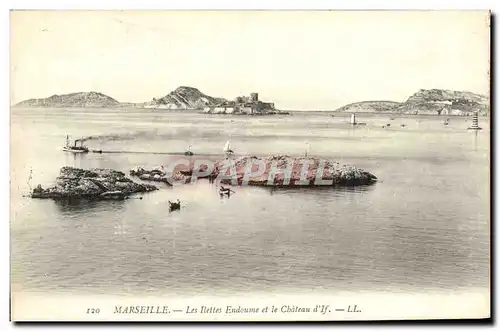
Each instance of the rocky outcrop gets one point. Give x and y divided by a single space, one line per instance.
159 174
184 97
282 170
278 170
190 98
93 183
428 102
72 100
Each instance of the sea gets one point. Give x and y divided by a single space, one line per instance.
423 227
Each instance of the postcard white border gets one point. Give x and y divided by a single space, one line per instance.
182 4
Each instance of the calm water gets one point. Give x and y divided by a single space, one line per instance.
423 226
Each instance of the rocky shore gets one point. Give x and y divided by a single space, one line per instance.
278 170
272 171
93 184
159 174
282 170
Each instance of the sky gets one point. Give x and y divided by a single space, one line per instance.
309 60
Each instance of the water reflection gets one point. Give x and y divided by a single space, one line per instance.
77 159
475 139
120 228
308 190
73 204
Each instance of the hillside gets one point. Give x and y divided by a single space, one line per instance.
370 106
445 101
432 102
184 97
76 100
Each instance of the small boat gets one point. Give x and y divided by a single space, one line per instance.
227 191
174 205
75 148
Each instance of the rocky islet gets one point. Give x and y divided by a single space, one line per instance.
91 183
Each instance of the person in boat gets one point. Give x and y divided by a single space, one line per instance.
226 191
174 205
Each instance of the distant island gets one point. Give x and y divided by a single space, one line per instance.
427 102
424 102
185 97
74 100
182 98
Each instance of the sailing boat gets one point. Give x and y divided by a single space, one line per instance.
188 152
75 148
227 148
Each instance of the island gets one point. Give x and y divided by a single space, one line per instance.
277 171
427 102
182 98
272 171
72 100
102 184
283 170
190 98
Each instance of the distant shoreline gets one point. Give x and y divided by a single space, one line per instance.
283 112
434 102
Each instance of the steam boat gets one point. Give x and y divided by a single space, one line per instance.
75 148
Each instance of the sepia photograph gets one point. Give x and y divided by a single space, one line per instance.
250 165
